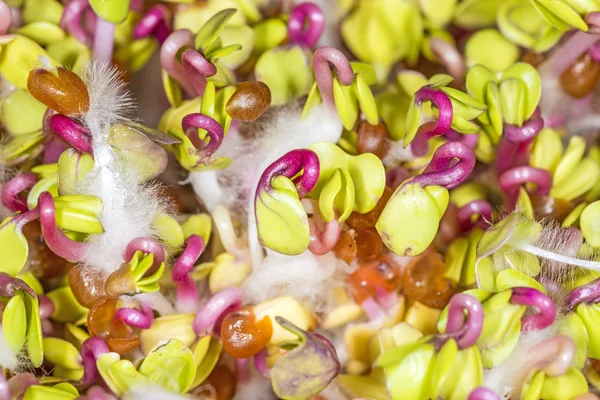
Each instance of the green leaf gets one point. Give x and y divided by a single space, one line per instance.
66 307
59 352
313 100
114 11
477 81
21 113
412 122
583 179
337 196
13 247
35 348
206 360
530 77
489 48
366 100
223 52
368 176
345 103
168 230
42 32
73 167
14 324
119 375
48 184
213 27
171 365
559 15
281 219
547 150
512 101
510 278
474 14
62 391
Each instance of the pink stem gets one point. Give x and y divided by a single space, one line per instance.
260 363
322 242
509 154
546 310
154 23
373 310
12 189
289 165
104 40
56 240
53 149
564 56
321 66
71 21
242 370
431 129
525 133
313 16
170 54
483 393
140 319
471 328
46 307
147 246
449 167
450 58
6 18
554 356
91 350
210 316
197 69
481 208
194 247
19 384
190 125
511 180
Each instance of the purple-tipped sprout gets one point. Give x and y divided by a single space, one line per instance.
449 57
449 167
56 240
588 293
322 242
18 385
323 59
546 310
190 125
145 245
12 189
71 132
525 133
481 209
8 285
154 22
290 165
466 332
187 292
431 129
312 15
104 40
553 356
483 393
140 319
71 21
91 350
260 363
211 315
510 182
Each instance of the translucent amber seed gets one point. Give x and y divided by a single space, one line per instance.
424 280
368 244
581 78
242 335
101 322
373 139
548 207
249 101
382 272
223 380
63 91
346 247
86 284
361 222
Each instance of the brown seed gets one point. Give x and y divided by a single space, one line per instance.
533 58
424 280
87 285
121 282
369 244
63 91
581 78
345 248
361 222
250 101
373 139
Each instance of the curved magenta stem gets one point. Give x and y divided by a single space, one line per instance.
170 56
91 349
483 393
140 319
104 41
46 306
531 297
6 18
71 132
468 331
588 293
442 172
323 57
14 187
154 22
510 181
190 125
449 57
71 21
480 208
313 16
525 133
322 242
289 165
8 285
194 247
211 315
147 246
197 69
56 240
429 130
